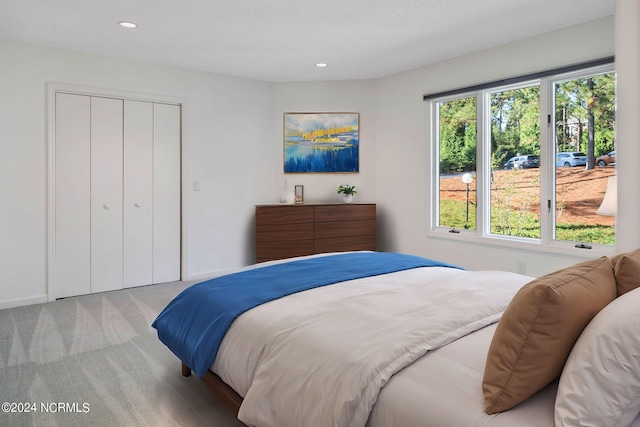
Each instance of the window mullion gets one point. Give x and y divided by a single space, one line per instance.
435 174
484 163
547 162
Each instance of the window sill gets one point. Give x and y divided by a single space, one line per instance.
551 248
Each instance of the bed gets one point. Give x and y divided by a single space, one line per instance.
413 347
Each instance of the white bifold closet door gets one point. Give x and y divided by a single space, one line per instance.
138 193
166 192
117 194
106 194
72 241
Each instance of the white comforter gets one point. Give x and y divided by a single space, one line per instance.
320 357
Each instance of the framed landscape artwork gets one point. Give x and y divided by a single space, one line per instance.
321 142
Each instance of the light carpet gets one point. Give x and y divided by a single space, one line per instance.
94 360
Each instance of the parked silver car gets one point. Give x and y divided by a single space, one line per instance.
523 162
569 159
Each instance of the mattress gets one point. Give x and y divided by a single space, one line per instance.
442 388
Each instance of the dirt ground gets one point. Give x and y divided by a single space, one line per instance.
579 191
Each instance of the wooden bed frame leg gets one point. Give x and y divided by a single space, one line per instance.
186 371
225 394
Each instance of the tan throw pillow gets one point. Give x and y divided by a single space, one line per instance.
626 268
538 329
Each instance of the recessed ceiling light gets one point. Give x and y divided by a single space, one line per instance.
321 65
127 24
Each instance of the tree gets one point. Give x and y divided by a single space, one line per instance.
515 123
457 135
586 102
591 129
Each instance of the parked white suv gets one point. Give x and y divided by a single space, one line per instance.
569 159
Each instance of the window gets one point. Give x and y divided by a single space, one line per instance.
514 191
584 111
457 148
527 162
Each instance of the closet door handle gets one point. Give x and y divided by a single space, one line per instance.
106 207
137 205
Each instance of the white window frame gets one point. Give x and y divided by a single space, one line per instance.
435 158
482 234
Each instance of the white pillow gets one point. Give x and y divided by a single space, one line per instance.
600 382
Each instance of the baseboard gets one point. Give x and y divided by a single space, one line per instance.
208 274
19 302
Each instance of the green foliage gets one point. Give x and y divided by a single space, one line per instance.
457 135
452 214
515 124
580 101
523 223
347 189
602 234
507 220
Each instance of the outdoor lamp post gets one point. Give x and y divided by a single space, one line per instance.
467 178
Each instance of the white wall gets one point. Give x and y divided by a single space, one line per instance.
227 134
340 96
627 25
402 175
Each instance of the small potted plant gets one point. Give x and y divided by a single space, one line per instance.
347 192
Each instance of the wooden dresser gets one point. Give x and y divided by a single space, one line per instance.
284 231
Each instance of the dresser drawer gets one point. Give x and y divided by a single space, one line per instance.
345 212
282 231
323 230
343 244
267 251
283 214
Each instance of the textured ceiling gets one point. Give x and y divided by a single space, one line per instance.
281 40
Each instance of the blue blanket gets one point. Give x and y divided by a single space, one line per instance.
194 323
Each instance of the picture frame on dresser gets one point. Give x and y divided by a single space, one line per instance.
298 193
321 142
